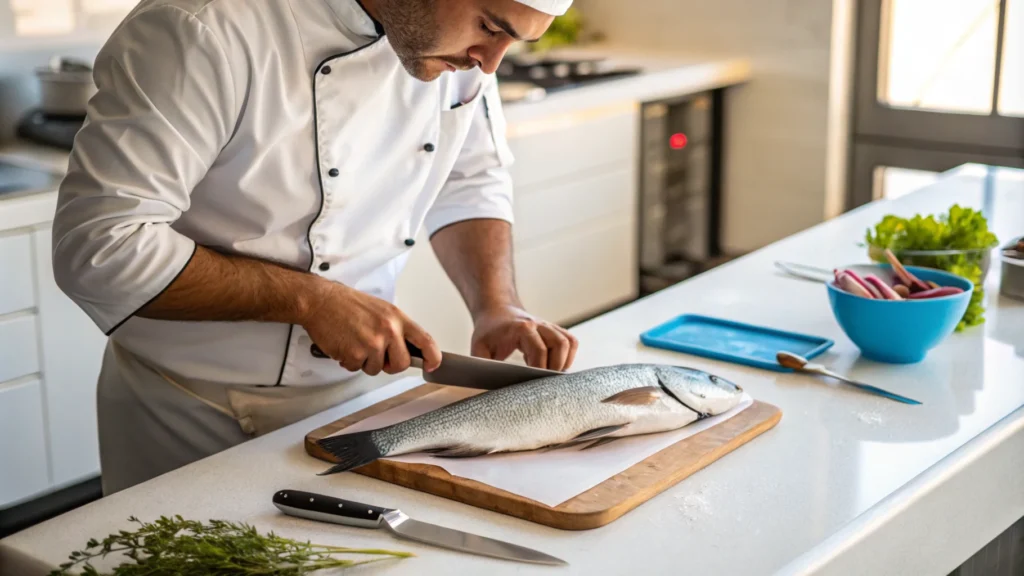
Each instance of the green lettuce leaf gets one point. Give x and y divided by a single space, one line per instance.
959 229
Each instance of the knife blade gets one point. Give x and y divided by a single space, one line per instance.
348 513
468 371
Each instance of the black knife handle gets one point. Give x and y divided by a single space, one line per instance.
414 351
328 509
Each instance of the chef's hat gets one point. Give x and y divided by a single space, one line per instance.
552 7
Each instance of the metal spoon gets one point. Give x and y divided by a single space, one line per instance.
800 364
806 272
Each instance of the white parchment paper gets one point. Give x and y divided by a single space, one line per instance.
547 477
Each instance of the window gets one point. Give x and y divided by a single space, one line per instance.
941 55
939 83
1011 87
40 18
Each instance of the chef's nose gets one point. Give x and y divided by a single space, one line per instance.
490 55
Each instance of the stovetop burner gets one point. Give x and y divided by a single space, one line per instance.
554 75
51 130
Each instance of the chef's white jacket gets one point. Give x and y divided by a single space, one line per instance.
285 130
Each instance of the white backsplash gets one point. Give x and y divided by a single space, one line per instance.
776 125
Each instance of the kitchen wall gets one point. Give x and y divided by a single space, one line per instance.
778 137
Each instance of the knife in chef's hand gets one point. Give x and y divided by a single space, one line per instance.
469 372
335 510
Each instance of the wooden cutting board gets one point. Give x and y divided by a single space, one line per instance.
591 509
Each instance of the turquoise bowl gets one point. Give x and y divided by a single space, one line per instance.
899 332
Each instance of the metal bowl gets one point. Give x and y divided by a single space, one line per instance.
1012 279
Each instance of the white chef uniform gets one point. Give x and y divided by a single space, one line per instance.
285 130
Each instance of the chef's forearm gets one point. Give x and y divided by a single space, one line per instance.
477 256
218 287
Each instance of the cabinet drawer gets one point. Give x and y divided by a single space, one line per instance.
22 442
574 143
580 273
16 291
19 354
72 352
543 211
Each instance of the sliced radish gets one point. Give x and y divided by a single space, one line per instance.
847 283
862 283
882 288
936 293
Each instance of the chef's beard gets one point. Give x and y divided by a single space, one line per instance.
415 34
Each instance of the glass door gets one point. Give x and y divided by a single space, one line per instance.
938 83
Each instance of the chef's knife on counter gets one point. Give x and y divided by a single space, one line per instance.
337 511
469 372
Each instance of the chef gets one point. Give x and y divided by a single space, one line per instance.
248 184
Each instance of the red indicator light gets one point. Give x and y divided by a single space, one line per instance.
677 141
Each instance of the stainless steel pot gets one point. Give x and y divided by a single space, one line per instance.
65 87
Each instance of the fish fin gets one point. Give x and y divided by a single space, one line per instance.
642 396
585 437
598 432
558 446
351 450
600 442
458 451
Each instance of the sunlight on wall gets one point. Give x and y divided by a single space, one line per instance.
41 18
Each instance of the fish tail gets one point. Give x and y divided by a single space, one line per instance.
351 450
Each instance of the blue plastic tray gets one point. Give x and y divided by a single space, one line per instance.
732 341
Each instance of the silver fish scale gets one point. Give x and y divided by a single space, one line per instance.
534 414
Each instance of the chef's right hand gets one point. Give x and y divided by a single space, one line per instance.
365 333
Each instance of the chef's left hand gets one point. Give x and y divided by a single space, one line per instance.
500 331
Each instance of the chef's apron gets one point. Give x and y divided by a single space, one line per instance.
152 422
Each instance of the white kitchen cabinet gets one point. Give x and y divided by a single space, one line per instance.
72 350
22 441
15 273
544 211
572 144
50 355
19 355
580 273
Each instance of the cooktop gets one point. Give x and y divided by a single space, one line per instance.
50 130
554 75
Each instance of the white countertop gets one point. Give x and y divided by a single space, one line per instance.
30 209
847 483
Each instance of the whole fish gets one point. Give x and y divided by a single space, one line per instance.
596 404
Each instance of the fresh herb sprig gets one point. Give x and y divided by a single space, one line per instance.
958 229
218 548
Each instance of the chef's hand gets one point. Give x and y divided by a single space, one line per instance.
358 330
501 331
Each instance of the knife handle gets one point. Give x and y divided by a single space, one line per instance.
328 509
414 351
